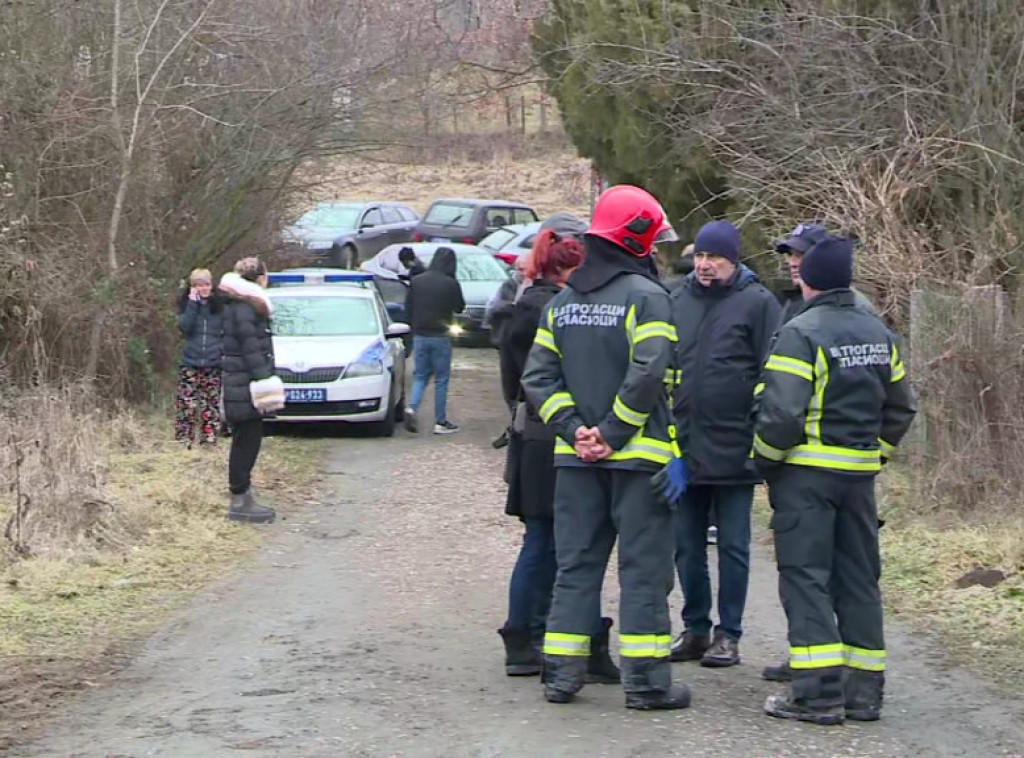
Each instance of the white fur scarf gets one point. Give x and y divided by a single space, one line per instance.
234 285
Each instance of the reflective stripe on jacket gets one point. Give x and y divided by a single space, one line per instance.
835 394
602 358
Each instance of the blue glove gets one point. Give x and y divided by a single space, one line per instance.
670 483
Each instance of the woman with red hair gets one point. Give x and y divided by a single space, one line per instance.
531 475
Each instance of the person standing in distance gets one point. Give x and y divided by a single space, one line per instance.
434 298
596 375
248 364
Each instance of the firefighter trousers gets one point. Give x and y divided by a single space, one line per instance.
592 505
826 544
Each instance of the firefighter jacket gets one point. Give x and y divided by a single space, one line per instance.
600 358
835 394
792 301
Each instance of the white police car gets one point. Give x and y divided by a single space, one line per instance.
336 349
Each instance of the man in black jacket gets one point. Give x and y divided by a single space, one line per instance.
413 265
433 300
799 241
725 320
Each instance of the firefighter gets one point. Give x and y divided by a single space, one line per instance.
835 403
799 241
597 375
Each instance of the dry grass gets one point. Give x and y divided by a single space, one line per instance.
923 557
551 182
157 534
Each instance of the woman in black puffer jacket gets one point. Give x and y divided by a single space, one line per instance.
248 357
531 476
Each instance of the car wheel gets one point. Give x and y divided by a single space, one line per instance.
400 408
385 428
349 257
345 256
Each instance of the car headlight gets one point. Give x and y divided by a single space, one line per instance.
455 330
369 363
364 368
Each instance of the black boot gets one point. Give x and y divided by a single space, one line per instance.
780 673
817 697
648 685
563 677
690 647
601 669
521 657
864 694
244 507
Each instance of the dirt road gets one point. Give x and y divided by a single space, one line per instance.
367 628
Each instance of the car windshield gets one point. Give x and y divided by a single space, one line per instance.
449 214
496 240
324 317
331 216
473 267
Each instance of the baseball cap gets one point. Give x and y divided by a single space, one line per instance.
565 223
802 238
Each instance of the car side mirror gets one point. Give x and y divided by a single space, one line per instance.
398 329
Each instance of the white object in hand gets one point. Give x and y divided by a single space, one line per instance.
267 394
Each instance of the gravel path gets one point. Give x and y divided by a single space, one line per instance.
367 628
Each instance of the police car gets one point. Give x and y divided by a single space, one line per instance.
336 350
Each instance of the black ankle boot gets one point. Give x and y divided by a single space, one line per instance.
779 673
244 507
521 657
601 669
563 677
864 694
674 698
649 687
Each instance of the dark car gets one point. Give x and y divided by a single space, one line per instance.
343 234
479 273
469 220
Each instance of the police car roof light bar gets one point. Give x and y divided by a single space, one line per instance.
350 277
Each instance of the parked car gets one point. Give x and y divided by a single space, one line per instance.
343 234
469 220
510 242
478 272
337 351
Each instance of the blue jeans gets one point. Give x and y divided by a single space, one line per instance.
533 579
432 357
732 505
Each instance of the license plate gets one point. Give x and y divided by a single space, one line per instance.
305 395
439 239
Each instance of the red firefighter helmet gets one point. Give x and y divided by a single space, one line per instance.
631 218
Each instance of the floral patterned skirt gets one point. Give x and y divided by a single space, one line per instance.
197 406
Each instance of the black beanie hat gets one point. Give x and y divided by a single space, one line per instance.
828 265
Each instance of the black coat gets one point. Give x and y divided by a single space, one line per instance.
724 333
248 356
531 455
792 299
435 296
202 323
